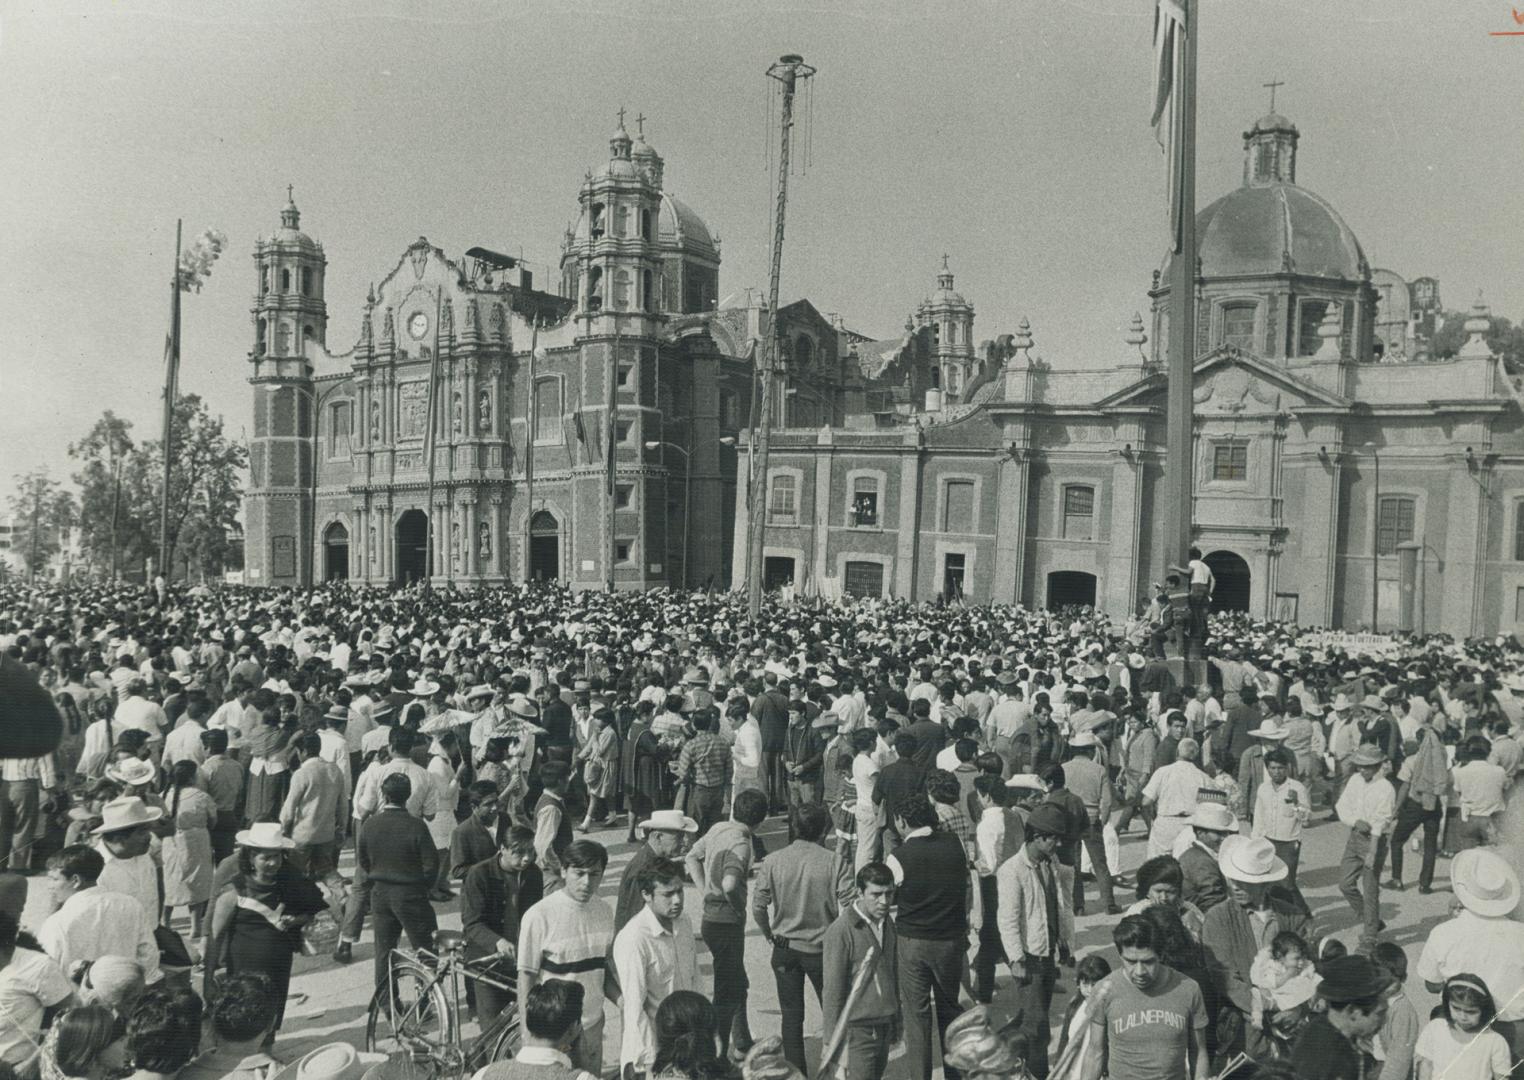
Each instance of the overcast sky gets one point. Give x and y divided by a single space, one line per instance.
1011 135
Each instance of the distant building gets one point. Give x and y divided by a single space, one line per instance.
1330 489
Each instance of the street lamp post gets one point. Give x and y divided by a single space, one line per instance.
687 452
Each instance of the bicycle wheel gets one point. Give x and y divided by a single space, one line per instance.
507 1042
422 1018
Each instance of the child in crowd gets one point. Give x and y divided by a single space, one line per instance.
1400 1032
1286 957
1088 975
1460 1044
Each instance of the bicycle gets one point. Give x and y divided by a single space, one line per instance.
412 1014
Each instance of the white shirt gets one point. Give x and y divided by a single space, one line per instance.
136 877
652 962
140 713
97 922
1174 788
947 758
30 984
989 836
229 718
184 744
422 802
339 657
1490 948
1375 803
1280 812
747 751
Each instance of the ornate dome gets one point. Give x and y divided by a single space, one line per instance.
1276 229
679 226
945 295
289 231
1273 121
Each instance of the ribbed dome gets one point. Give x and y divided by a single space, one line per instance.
1273 121
678 225
1250 231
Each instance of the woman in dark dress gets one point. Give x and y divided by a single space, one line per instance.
641 768
257 922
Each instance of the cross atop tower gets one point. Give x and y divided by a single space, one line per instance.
289 189
944 260
1271 85
621 116
640 125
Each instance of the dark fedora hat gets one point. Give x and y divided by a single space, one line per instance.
1352 978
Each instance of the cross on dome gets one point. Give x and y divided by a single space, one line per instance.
1271 85
640 125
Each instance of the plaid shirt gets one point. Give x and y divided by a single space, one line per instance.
955 821
706 759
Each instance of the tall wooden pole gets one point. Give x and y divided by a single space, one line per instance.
1179 484
171 376
612 447
789 70
432 428
531 419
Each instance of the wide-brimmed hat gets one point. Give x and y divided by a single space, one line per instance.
480 690
695 676
670 821
337 712
334 1061
1082 739
1373 702
424 688
126 812
1249 859
1007 678
1049 820
1367 755
134 772
524 708
1026 782
1270 728
1214 817
826 719
1341 703
1352 978
383 708
1484 883
265 835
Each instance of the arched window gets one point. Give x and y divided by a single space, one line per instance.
647 291
1309 316
804 351
282 339
622 290
595 221
308 334
306 281
260 330
1237 326
594 288
645 224
285 281
264 281
936 378
1079 512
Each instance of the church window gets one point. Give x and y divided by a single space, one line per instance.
259 337
1238 326
1230 461
623 378
264 281
1079 512
594 288
958 507
547 409
622 290
860 578
936 378
338 430
1310 314
621 220
307 335
622 495
647 291
864 502
623 549
730 410
782 500
285 281
306 281
1394 524
1518 531
595 221
622 430
804 351
645 224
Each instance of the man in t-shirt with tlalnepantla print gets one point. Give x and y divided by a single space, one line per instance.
1148 1022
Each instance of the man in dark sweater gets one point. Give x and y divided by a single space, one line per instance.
898 779
930 736
770 708
931 876
398 857
493 899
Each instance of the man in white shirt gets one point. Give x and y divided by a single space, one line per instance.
1368 806
184 743
423 802
230 715
654 954
1173 792
1202 712
1281 808
136 711
32 984
91 921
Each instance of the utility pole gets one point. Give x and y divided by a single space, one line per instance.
789 70
1180 404
36 512
116 497
171 376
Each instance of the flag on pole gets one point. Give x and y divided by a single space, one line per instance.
1169 57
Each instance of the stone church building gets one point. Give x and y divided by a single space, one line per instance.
1343 475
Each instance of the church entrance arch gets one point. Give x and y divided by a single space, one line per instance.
1232 574
1070 587
335 552
412 547
544 547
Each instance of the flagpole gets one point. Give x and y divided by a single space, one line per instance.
433 432
1179 420
613 426
531 418
171 377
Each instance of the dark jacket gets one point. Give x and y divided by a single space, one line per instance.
897 779
492 903
395 848
1204 884
804 747
470 843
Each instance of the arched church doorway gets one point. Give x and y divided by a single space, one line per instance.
412 547
1070 587
544 547
335 552
1232 574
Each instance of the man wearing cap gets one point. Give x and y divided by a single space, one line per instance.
667 833
1332 1045
1089 781
1036 926
1482 938
1212 823
1368 805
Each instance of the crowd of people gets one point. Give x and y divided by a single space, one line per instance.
950 779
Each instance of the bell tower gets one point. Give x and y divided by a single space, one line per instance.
951 320
289 313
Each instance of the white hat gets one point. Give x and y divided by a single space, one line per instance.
1214 817
1341 703
127 812
265 835
1081 739
1270 728
1027 782
481 690
336 1061
670 821
1249 859
132 771
424 688
1484 883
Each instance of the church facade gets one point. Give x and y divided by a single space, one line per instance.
482 430
1344 477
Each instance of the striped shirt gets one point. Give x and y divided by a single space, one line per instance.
706 758
37 768
563 939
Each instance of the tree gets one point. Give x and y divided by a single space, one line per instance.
114 493
40 511
1504 339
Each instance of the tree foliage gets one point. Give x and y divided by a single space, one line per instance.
204 491
1505 339
41 510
